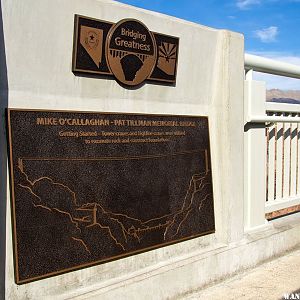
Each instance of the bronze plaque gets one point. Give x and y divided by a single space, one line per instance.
91 187
126 50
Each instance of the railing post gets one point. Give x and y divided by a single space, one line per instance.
255 154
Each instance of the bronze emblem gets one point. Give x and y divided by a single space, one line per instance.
91 40
126 50
167 58
130 51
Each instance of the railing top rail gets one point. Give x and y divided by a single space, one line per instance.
282 107
267 65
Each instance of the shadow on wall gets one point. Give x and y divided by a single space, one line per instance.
3 157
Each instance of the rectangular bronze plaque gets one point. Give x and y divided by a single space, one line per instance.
92 187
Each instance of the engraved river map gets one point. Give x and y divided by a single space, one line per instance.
92 187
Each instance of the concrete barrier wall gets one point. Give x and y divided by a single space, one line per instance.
36 67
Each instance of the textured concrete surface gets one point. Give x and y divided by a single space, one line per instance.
271 280
210 80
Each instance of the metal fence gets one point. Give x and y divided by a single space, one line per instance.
272 146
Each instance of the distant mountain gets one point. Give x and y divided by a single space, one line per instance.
287 96
284 100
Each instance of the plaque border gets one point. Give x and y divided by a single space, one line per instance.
98 262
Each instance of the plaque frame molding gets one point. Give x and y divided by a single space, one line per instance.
98 262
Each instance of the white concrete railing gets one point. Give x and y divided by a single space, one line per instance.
272 146
266 65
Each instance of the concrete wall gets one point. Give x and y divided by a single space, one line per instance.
38 38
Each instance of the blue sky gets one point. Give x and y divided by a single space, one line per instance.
271 27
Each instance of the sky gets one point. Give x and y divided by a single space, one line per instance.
271 27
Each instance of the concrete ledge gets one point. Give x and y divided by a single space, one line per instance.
270 280
191 272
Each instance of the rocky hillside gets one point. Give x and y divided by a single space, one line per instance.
289 96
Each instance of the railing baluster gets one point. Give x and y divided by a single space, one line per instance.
293 160
271 163
279 161
298 160
286 151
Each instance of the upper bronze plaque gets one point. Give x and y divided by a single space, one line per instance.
91 187
126 50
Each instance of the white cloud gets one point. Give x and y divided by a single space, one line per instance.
267 35
245 4
277 82
274 81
